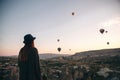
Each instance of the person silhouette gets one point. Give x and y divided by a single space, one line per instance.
28 60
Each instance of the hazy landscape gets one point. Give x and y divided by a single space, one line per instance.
76 39
89 65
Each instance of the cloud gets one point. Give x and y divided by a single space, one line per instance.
112 22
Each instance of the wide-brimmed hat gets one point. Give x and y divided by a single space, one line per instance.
28 38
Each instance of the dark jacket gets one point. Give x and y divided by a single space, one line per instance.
28 62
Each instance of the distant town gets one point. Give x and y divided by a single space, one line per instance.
89 65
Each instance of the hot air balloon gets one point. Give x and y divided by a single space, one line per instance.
73 13
59 49
106 31
108 43
69 49
101 31
58 40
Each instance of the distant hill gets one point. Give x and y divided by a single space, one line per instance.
51 55
96 53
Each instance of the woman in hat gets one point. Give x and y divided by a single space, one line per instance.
28 60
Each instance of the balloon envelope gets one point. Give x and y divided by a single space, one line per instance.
101 31
106 31
108 43
58 40
73 13
69 49
59 49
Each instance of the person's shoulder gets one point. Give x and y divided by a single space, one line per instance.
21 48
34 48
35 51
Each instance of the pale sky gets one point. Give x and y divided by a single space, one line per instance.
49 20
